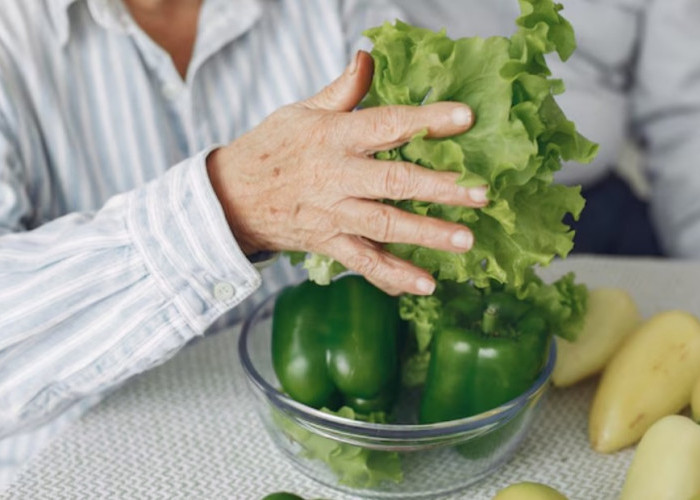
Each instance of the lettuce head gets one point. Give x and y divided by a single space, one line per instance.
519 139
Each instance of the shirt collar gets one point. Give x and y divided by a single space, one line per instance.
233 16
58 11
221 22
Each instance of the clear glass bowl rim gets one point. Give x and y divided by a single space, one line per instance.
376 430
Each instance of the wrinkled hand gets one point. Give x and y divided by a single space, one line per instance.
305 179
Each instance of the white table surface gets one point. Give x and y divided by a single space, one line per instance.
188 429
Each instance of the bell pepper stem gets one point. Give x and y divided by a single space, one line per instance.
489 320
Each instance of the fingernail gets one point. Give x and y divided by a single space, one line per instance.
354 64
461 116
425 286
478 194
462 239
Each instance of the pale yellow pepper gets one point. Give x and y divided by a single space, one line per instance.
527 490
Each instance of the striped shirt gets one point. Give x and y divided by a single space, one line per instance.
114 251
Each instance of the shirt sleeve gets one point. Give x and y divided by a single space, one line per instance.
90 299
666 113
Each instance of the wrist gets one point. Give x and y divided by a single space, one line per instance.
218 162
216 166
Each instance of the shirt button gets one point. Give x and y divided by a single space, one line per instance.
224 291
171 91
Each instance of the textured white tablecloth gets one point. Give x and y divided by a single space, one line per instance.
188 429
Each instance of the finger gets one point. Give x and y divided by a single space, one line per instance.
397 180
346 92
387 224
385 127
386 271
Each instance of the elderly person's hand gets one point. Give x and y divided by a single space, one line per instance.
305 179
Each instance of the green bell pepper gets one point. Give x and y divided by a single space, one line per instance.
282 495
484 360
337 345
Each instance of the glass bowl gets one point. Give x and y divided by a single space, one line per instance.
379 460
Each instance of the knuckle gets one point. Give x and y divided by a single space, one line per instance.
388 125
398 181
285 113
381 223
365 263
328 95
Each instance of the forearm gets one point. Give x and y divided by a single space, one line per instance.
87 301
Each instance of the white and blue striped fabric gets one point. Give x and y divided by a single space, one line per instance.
114 251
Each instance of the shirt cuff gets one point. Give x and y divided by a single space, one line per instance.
180 228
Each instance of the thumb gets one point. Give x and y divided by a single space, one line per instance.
346 91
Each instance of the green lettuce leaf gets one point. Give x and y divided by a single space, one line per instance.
562 304
354 466
422 314
518 141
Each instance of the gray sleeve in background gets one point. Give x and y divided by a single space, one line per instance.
358 15
666 118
